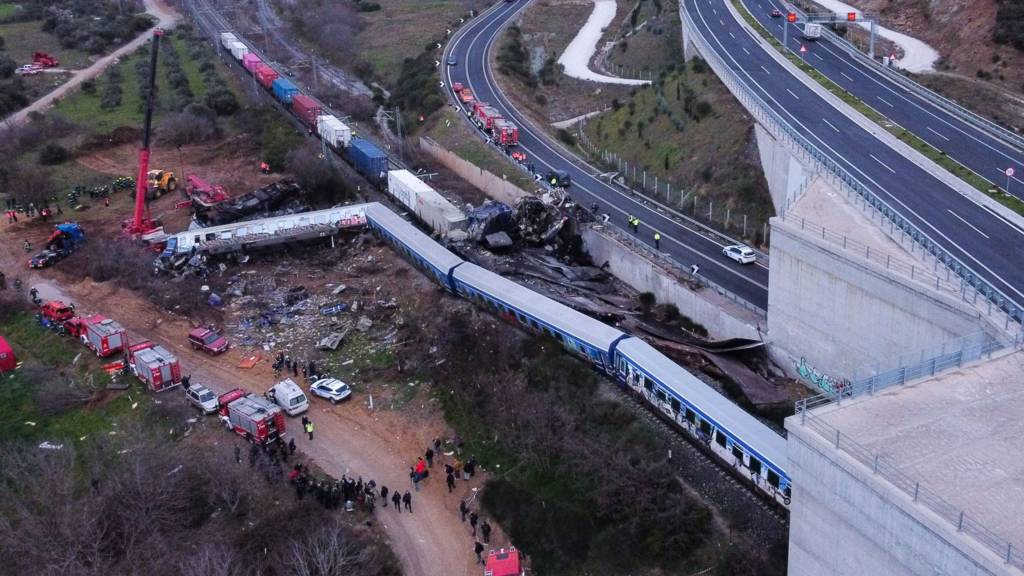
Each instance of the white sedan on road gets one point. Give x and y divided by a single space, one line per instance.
331 389
740 253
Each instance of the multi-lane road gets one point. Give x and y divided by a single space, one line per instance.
983 241
976 149
471 47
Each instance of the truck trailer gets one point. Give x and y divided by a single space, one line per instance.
425 202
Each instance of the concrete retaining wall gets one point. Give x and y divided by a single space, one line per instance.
848 315
845 521
722 317
494 186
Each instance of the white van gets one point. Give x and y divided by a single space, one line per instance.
289 397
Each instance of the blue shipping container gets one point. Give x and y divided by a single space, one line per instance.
284 90
369 160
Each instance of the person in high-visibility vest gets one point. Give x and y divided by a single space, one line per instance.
657 240
309 428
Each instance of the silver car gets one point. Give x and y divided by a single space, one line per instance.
331 389
201 397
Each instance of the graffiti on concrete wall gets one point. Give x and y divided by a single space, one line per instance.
823 381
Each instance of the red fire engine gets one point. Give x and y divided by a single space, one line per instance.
101 335
505 133
484 115
502 562
154 365
251 416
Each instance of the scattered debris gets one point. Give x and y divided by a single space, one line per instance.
364 324
331 341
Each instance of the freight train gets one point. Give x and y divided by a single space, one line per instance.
732 435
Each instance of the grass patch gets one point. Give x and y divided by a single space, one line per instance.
450 131
939 157
21 39
7 9
19 405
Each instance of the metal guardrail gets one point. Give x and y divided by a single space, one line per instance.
839 176
972 118
921 495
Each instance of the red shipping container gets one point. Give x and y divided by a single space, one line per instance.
306 109
265 75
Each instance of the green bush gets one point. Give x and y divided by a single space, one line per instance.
221 100
52 154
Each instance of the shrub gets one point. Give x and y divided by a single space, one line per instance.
221 100
52 154
567 137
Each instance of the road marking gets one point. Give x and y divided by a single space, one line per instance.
882 163
733 35
715 10
815 54
747 51
847 76
958 217
793 93
1012 225
765 69
886 101
830 124
722 22
937 134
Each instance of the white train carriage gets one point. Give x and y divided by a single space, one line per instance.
423 252
729 431
578 333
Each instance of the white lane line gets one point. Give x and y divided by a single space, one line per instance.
765 70
847 76
886 101
937 134
733 35
815 54
745 50
793 93
882 163
830 124
960 218
722 22
1012 225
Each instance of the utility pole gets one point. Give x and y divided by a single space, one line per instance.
871 42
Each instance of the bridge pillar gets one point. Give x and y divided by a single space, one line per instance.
787 177
689 50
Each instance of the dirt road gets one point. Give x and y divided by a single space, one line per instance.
350 438
166 18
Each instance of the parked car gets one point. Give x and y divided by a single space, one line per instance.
289 397
776 13
331 389
28 70
201 397
740 253
44 259
208 340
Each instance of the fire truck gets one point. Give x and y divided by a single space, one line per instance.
503 562
484 115
156 366
251 416
505 133
99 334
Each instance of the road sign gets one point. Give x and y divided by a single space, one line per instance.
1009 174
803 48
791 17
851 16
1010 171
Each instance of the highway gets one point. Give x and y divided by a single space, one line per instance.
471 47
976 149
983 241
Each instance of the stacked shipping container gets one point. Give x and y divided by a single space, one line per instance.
306 109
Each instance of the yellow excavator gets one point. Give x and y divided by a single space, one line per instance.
160 182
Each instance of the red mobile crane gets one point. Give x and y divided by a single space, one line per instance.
142 225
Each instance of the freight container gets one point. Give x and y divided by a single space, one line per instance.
423 201
227 39
369 160
265 75
154 365
505 133
284 90
239 50
333 131
251 61
102 335
306 109
485 115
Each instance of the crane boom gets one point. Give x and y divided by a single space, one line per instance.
141 223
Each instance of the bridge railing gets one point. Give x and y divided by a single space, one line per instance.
969 117
920 494
839 176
